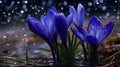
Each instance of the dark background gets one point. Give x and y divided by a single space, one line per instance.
19 9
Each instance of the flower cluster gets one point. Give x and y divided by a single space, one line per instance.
54 29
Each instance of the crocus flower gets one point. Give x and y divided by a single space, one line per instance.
45 28
95 34
78 15
62 24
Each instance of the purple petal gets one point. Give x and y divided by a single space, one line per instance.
83 31
78 34
69 20
92 41
72 10
74 13
50 24
61 27
42 18
52 10
95 27
107 30
35 27
80 14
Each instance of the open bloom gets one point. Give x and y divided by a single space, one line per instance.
45 28
50 24
78 16
96 33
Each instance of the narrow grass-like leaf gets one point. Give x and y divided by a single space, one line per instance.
45 49
15 59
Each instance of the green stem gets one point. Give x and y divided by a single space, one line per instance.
84 50
53 54
26 53
93 58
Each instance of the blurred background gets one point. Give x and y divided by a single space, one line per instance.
15 36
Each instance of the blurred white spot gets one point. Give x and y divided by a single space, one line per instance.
104 8
16 36
8 44
36 51
9 14
38 10
61 8
5 16
107 14
23 28
22 11
115 1
65 3
88 9
50 2
35 12
43 3
8 20
100 17
97 3
34 44
87 14
114 10
101 1
4 36
18 2
89 3
3 12
0 1
25 1
118 17
44 13
25 35
42 8
12 11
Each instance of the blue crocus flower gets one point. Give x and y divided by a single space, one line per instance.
96 33
78 15
62 24
45 28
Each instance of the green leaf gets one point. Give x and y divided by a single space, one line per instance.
45 49
14 58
